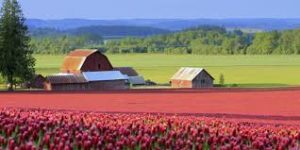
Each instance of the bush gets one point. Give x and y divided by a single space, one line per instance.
221 80
2 81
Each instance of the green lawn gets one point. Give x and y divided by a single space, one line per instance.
248 71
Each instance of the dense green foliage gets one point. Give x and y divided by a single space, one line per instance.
206 40
16 61
202 40
211 40
53 41
63 44
287 42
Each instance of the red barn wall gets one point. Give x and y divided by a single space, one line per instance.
96 62
181 84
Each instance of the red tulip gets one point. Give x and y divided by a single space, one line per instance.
81 130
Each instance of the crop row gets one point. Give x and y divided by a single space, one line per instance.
45 129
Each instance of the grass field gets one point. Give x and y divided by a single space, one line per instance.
245 71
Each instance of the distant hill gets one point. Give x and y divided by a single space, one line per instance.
170 24
107 32
118 31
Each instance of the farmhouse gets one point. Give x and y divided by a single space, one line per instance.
85 60
192 78
133 77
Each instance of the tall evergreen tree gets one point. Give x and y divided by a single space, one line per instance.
16 61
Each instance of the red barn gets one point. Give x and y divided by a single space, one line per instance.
84 61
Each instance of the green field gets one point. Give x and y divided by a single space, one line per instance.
247 71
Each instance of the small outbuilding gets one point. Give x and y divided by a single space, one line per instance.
85 60
133 77
37 82
188 77
65 82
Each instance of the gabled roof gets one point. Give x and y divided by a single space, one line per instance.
127 71
73 63
65 79
104 76
39 76
82 52
188 73
76 58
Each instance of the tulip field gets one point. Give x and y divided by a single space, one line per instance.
209 119
50 129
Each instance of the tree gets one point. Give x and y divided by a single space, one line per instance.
264 43
16 61
221 80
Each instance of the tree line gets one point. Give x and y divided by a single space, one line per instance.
54 41
211 40
205 40
63 44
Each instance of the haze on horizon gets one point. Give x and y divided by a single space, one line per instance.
160 9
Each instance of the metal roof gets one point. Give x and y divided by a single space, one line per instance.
75 59
136 80
72 63
82 52
127 71
104 76
66 79
188 73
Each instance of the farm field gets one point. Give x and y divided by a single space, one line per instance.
138 119
225 118
245 102
44 129
244 71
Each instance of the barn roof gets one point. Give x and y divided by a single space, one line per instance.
66 79
104 76
82 52
76 58
127 71
136 80
39 76
188 73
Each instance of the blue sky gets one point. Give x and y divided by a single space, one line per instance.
157 9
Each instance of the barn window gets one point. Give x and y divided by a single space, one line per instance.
202 81
99 66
